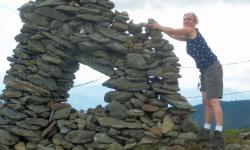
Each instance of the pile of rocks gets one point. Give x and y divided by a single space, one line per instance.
144 107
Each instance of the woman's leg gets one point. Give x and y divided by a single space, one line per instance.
208 111
217 111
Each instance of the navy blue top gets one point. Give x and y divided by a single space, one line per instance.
200 51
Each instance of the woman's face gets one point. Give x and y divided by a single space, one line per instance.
188 20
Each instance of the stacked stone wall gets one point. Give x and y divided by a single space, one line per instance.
144 107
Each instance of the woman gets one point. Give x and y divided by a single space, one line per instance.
211 74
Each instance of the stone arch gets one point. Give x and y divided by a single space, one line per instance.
56 36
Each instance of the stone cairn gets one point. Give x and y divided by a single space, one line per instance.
144 107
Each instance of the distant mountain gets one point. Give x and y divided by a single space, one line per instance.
194 96
236 114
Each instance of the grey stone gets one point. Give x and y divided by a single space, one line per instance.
32 99
51 59
135 112
28 126
4 121
80 136
12 93
115 146
36 19
88 10
119 96
125 85
99 38
94 18
7 138
49 69
62 113
42 147
46 83
37 121
12 114
117 123
187 136
136 61
52 13
58 40
177 103
66 8
102 138
38 108
21 131
89 47
26 86
111 33
232 146
117 110
118 47
36 46
148 140
52 3
167 125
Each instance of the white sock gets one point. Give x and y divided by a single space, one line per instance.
218 128
207 126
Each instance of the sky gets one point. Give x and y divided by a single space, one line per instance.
224 24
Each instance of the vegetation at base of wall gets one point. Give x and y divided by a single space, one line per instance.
230 137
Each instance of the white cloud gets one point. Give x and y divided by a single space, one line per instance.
9 28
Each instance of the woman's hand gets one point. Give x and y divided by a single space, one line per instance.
154 25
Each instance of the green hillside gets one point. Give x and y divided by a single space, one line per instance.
236 114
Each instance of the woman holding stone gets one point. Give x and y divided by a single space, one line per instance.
211 74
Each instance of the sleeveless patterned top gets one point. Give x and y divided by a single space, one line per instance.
200 51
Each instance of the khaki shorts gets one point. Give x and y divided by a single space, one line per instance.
211 80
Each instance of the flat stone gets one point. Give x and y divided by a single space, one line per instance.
117 123
80 136
125 85
38 108
36 19
12 93
167 125
94 18
119 96
111 33
52 3
26 86
8 138
136 61
37 121
102 138
177 103
117 110
52 13
150 108
135 112
12 114
22 132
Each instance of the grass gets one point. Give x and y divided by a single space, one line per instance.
230 136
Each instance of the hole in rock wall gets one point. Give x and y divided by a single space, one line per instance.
88 91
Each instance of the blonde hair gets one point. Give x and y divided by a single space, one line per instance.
196 20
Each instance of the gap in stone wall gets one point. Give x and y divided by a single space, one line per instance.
88 91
